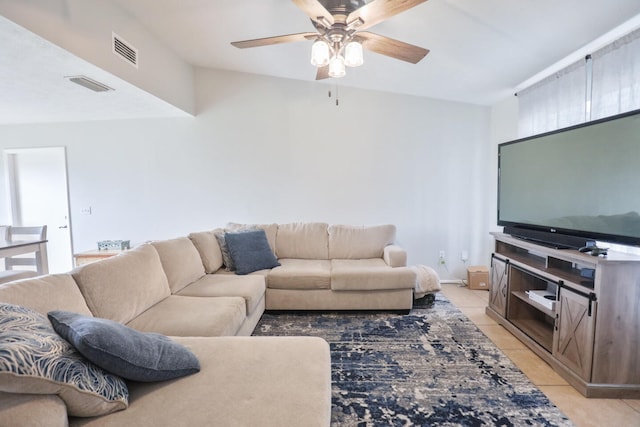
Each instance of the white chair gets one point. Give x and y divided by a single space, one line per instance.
4 232
33 260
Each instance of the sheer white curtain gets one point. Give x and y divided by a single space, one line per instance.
616 77
555 102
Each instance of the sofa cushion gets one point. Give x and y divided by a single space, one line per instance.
301 274
270 230
181 262
184 316
32 410
359 242
250 251
7 276
131 354
209 249
121 287
244 381
369 274
36 360
46 293
250 287
302 240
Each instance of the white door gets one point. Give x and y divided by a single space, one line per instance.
38 193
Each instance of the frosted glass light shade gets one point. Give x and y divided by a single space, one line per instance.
353 56
320 53
336 67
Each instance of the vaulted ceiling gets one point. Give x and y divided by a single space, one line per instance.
480 50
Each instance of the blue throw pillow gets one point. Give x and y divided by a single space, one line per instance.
131 354
250 251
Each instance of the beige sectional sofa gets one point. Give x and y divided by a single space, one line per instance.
181 288
336 267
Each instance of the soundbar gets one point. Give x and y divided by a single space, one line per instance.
549 239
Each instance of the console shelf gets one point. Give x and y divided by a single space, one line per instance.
591 336
524 297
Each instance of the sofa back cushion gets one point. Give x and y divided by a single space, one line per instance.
209 249
121 287
46 293
359 242
181 262
302 240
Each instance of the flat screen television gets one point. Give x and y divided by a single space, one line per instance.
573 186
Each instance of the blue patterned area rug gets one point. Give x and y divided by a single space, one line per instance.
432 367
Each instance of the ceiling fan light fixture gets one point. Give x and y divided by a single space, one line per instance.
320 53
336 67
353 56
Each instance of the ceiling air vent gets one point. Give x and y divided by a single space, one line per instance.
124 50
85 81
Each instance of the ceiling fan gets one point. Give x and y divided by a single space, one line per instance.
339 38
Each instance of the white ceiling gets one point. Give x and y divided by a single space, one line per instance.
480 50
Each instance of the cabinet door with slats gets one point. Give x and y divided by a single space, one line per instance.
573 338
498 285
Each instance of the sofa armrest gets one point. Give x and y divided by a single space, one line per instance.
395 256
32 410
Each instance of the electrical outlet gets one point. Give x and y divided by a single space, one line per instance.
441 259
86 210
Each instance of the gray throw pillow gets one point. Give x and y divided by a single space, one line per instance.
250 251
227 260
131 354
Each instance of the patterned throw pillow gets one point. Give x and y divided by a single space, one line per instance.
36 360
226 256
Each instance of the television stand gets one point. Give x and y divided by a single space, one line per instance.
591 334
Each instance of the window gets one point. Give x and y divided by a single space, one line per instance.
555 102
603 84
616 77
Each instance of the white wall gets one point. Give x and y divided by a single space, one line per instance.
263 149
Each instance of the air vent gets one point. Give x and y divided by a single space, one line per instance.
89 83
124 50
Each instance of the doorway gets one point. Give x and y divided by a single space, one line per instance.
38 195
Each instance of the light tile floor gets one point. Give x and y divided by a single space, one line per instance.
581 411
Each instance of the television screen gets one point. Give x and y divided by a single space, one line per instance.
580 181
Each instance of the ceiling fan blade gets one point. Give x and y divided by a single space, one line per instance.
390 47
378 10
323 73
316 11
274 40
